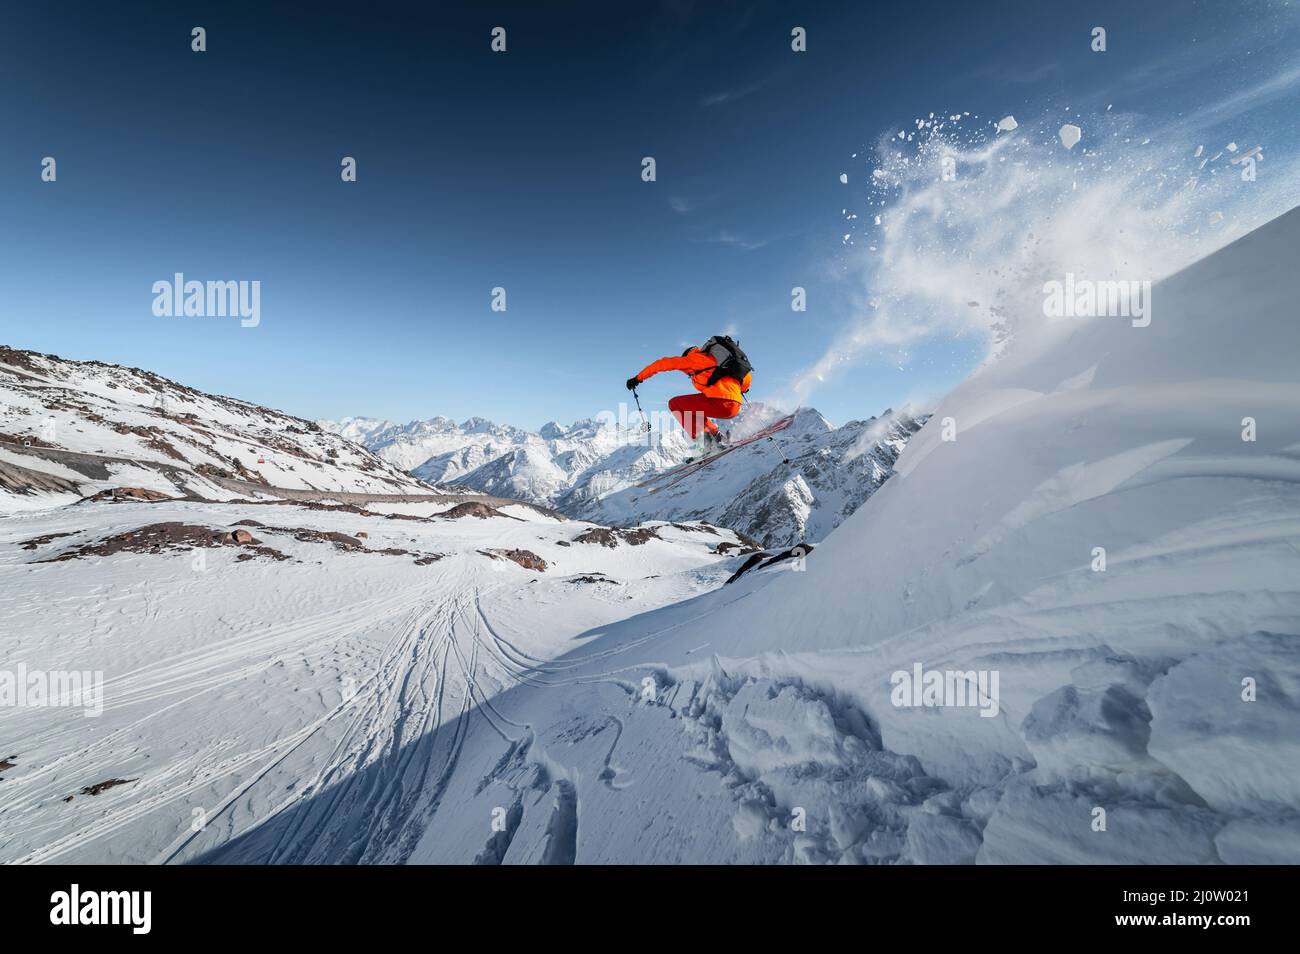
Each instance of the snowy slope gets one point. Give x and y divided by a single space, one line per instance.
163 436
1120 729
242 681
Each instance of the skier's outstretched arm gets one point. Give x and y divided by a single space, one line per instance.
690 363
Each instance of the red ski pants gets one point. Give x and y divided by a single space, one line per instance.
694 410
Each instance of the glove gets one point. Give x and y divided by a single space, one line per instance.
632 383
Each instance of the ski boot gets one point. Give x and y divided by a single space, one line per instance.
710 443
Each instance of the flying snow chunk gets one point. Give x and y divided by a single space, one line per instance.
844 178
1197 153
1070 135
1007 123
1216 218
1231 147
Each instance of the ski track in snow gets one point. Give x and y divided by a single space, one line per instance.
250 727
205 672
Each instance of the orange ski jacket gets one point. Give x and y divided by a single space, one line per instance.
699 366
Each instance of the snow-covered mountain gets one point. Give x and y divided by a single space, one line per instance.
830 472
437 450
359 430
90 425
590 469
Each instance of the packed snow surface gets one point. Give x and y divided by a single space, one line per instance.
240 682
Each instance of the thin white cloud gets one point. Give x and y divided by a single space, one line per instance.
726 96
732 240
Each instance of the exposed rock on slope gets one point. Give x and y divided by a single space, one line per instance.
86 424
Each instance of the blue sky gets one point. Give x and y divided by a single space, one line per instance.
521 170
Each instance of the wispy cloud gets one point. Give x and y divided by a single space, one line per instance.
736 93
1284 83
732 240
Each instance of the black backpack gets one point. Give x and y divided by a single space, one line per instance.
732 362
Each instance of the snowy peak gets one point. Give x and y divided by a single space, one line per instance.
437 449
359 430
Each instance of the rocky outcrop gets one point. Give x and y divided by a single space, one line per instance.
612 536
163 537
473 508
525 558
759 561
128 494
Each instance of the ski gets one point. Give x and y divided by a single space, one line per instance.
692 465
676 474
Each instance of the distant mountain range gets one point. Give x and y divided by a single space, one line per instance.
589 469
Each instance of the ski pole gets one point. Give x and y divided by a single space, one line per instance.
645 421
779 449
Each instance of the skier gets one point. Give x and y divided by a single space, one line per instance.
721 374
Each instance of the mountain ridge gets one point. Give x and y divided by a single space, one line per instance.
127 426
590 468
